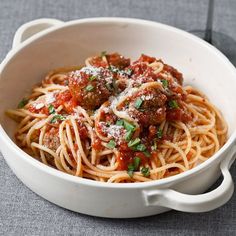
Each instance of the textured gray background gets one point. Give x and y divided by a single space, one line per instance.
24 213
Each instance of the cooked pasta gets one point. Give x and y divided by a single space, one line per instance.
116 121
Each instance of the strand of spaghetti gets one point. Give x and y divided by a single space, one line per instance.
70 141
79 167
124 176
180 152
97 120
198 153
85 114
168 166
42 156
99 173
105 152
188 135
20 113
108 168
214 138
23 122
163 163
50 88
63 143
64 164
27 126
41 147
93 152
157 66
28 135
80 147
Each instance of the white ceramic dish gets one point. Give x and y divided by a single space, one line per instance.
63 44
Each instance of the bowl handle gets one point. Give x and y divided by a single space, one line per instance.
196 203
33 27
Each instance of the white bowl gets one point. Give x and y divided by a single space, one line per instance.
64 44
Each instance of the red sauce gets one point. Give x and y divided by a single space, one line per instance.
97 144
43 110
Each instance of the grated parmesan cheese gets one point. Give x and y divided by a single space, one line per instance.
38 106
49 98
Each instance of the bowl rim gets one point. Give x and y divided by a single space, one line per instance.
79 180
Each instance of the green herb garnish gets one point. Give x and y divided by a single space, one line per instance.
154 146
141 147
111 144
165 83
138 103
128 135
134 166
147 153
89 88
134 142
128 126
129 72
159 133
130 170
22 103
173 104
57 117
119 122
113 69
103 53
137 161
93 77
51 109
145 171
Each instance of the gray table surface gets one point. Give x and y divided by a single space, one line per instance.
22 212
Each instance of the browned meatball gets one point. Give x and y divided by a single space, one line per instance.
106 60
118 60
51 139
148 106
91 86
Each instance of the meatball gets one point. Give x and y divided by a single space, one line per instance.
107 60
91 86
148 106
117 60
175 73
51 139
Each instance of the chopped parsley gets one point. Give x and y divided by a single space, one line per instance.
145 171
165 83
159 133
22 103
128 135
134 166
128 126
89 88
141 147
147 153
119 122
93 77
137 161
51 109
173 104
103 54
113 69
130 170
134 142
111 144
138 103
129 72
57 117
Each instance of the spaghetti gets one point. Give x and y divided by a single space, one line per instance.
116 121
